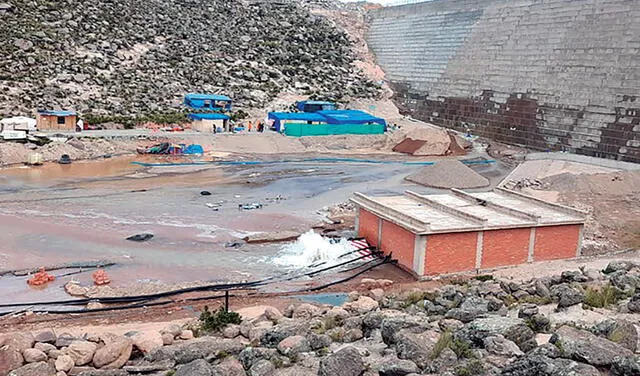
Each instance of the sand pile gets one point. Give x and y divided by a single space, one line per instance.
448 174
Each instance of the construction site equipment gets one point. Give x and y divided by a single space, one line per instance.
41 278
100 278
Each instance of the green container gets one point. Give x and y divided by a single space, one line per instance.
305 129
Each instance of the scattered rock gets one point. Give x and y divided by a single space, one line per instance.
46 336
113 355
64 363
228 367
501 346
10 359
398 368
262 368
198 367
361 306
294 345
345 362
231 331
81 352
416 347
33 355
634 304
19 340
305 311
140 237
35 369
148 367
147 341
64 340
186 334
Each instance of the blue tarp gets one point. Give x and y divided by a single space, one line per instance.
314 106
57 113
193 149
209 116
350 117
208 101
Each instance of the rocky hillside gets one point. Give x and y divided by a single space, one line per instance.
582 322
130 57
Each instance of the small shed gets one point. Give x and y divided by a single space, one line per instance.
56 120
209 122
211 102
325 123
315 106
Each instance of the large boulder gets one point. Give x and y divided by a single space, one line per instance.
273 336
199 348
634 304
620 331
252 355
513 329
35 369
262 368
64 363
10 359
626 366
501 346
294 345
618 265
470 309
306 311
228 367
361 306
34 355
416 347
113 355
391 326
81 352
198 367
345 362
19 340
586 347
46 336
398 368
147 341
567 295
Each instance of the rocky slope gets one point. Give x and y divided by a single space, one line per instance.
131 57
582 322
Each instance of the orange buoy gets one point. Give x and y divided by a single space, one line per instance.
100 278
41 278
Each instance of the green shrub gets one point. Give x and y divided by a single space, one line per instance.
602 296
170 373
461 348
484 278
414 297
211 322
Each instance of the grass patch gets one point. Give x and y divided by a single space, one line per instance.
601 296
461 348
443 342
170 373
473 368
210 322
509 300
330 322
484 277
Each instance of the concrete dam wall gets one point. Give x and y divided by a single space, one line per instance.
547 74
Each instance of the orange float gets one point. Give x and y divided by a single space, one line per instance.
41 278
100 278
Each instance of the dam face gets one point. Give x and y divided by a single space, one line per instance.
546 74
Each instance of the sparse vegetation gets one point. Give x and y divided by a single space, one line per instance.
461 348
443 342
473 368
484 277
601 296
211 322
170 373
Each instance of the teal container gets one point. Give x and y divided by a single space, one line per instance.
305 129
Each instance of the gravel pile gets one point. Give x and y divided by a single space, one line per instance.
448 174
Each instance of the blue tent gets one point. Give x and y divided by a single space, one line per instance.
212 102
314 106
277 117
350 117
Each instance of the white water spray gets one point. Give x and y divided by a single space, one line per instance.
311 248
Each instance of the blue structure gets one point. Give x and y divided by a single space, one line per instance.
331 122
315 106
57 113
211 102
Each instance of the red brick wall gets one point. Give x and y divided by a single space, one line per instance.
400 242
505 247
450 253
556 242
368 227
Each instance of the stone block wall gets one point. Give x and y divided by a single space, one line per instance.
547 74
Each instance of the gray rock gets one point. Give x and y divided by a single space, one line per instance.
528 310
102 372
34 355
46 336
114 354
251 355
273 336
318 341
231 331
345 362
352 335
416 347
620 331
262 368
23 44
199 348
626 366
513 329
398 368
539 323
621 265
148 367
18 340
64 340
586 347
501 346
34 369
634 304
81 352
567 295
538 365
573 276
294 345
228 367
542 290
198 367
391 326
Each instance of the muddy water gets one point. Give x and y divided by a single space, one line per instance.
50 215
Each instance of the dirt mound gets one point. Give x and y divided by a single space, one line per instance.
409 146
448 174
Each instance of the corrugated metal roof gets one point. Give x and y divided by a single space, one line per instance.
303 116
57 113
350 117
460 211
204 97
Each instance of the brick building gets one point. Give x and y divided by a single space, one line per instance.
462 232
